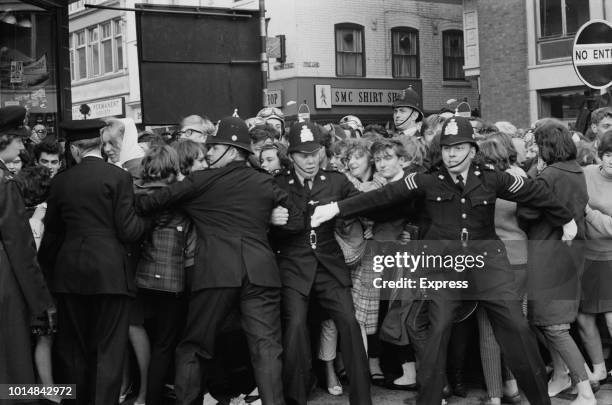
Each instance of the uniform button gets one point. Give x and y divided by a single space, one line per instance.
278 251
439 199
157 276
485 202
463 201
464 215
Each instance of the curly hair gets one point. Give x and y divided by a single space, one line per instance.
34 183
188 151
555 142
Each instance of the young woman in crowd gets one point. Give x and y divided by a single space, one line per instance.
161 271
120 145
554 277
499 154
191 156
273 158
597 278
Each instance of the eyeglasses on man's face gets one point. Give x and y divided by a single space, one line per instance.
189 132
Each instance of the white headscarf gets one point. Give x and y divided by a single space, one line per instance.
129 148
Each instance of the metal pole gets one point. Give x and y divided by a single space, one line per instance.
264 56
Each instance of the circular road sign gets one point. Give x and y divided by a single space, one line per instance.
592 54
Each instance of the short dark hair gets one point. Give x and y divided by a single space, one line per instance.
377 129
34 183
601 113
605 144
262 132
151 138
159 163
6 139
281 152
554 142
188 152
48 147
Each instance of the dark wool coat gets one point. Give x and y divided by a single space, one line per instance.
554 268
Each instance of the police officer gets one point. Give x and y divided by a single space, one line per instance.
89 222
460 199
230 205
23 291
312 265
407 113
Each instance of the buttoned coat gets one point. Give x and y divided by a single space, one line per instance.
89 222
230 208
297 259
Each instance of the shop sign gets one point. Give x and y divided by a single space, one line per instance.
274 98
364 97
101 109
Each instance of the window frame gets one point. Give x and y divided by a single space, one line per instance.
114 37
563 38
411 30
445 57
352 26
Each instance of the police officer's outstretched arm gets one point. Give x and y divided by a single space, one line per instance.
536 194
408 188
170 196
130 227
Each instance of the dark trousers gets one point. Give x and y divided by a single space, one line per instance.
260 318
164 321
92 341
517 342
337 301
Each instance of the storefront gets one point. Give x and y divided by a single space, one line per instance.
34 57
329 99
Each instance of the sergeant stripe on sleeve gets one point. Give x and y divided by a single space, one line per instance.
410 183
517 185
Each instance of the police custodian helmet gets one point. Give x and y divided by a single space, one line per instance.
410 98
457 130
232 131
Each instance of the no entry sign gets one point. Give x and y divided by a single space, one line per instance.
592 54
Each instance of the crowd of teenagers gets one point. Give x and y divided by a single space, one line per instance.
233 262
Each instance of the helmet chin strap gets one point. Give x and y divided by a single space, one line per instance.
220 157
460 163
407 118
300 167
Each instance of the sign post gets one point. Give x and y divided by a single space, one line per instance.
592 54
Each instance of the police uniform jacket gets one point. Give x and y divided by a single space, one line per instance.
230 208
300 253
23 291
464 214
89 222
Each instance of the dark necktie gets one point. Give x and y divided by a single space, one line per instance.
459 181
308 184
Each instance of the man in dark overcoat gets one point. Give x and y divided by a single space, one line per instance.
23 291
90 221
231 205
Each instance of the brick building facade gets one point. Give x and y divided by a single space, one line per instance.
414 35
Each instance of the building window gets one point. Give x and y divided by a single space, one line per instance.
405 48
350 55
97 50
559 21
452 55
80 53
